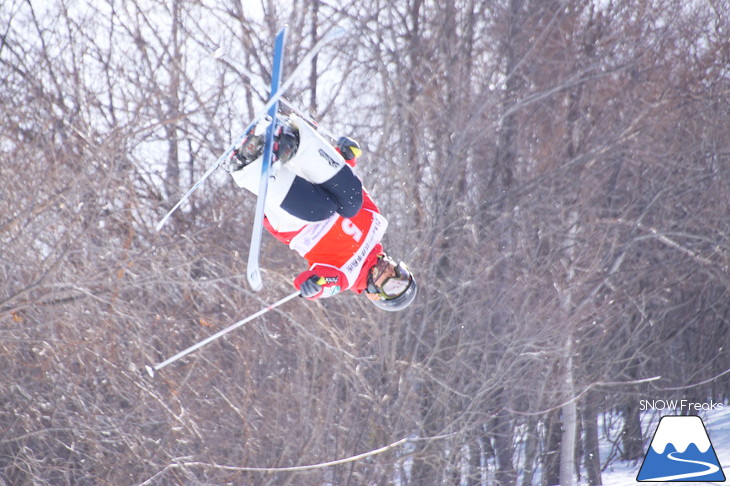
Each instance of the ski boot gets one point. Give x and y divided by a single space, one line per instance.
250 148
286 141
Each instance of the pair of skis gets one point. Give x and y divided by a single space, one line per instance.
253 271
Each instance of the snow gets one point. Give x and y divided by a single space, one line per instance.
717 422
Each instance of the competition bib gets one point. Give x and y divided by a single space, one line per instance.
343 243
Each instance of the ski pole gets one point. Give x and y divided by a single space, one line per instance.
151 369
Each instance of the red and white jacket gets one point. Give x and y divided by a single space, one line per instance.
340 250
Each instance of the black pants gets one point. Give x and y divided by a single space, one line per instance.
340 194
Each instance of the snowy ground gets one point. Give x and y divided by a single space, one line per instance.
718 428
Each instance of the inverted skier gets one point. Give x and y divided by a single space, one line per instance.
317 206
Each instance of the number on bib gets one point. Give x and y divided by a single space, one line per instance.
350 229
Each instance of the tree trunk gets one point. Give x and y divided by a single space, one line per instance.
313 74
631 438
503 448
592 457
570 421
531 449
551 457
569 410
424 471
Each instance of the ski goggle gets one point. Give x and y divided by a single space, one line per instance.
388 280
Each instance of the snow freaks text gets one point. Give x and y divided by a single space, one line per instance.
679 405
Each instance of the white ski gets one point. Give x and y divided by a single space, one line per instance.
253 270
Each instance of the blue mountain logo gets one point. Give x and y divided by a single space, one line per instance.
681 451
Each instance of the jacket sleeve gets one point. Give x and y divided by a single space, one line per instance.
330 279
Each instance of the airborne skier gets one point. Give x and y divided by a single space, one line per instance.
317 205
313 202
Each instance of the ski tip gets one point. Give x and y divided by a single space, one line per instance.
164 219
218 53
254 280
256 286
150 371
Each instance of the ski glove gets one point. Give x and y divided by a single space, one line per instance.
313 286
349 149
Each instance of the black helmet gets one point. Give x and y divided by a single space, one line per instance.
391 286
